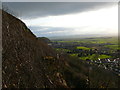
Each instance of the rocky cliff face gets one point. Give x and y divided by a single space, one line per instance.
27 62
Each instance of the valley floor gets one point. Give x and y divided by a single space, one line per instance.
91 62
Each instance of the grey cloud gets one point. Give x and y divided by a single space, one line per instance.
42 9
50 31
55 31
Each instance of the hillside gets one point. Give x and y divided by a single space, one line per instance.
44 39
27 62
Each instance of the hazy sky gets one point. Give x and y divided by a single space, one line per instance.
70 18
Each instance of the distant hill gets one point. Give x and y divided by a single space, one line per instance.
27 62
81 36
44 39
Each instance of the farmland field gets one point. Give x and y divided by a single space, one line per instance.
101 54
103 45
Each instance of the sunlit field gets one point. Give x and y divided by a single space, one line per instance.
100 56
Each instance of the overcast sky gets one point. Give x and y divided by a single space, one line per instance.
70 18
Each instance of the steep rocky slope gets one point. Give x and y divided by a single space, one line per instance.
27 61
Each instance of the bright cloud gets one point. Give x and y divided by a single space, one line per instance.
101 21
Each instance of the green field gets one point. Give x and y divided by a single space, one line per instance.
95 57
62 49
84 48
113 46
106 46
97 40
74 55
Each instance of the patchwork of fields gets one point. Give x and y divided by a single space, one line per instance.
102 52
90 48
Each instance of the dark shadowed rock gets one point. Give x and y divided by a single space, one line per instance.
44 39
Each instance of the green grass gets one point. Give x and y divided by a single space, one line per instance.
104 56
74 55
62 49
84 48
97 40
112 40
112 46
63 41
91 57
95 57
